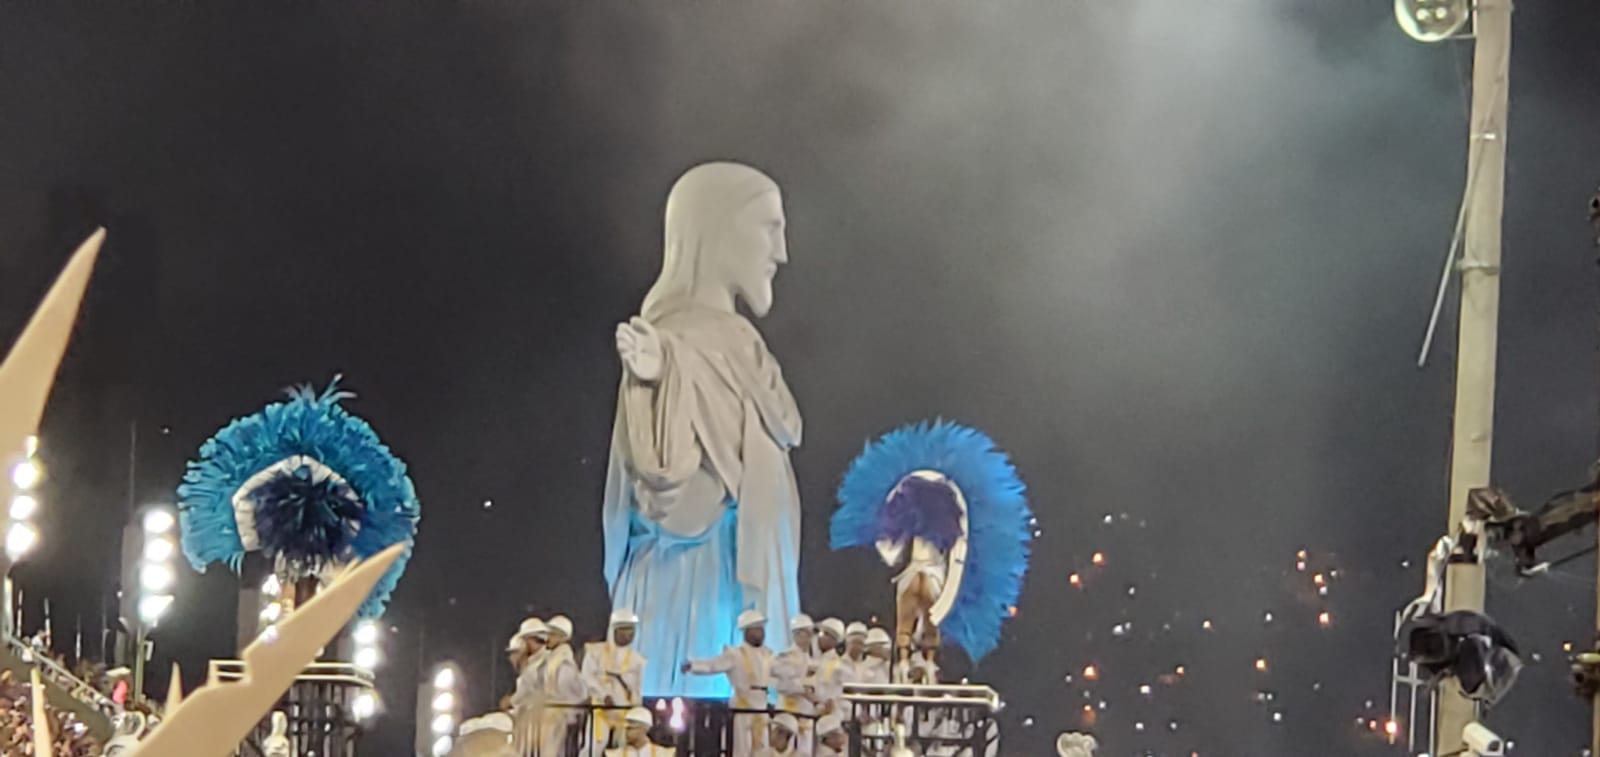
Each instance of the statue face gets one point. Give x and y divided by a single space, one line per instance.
753 249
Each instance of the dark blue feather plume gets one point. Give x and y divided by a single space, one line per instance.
303 521
998 518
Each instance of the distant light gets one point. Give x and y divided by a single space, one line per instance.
1267 618
156 577
1180 670
1325 619
364 706
1261 663
1099 558
365 658
488 503
1317 579
1300 565
1391 727
445 679
1277 717
23 506
442 746
159 521
1139 726
1144 689
1012 611
1074 579
153 606
366 633
1027 722
157 550
444 702
26 475
1090 673
443 723
1206 624
20 539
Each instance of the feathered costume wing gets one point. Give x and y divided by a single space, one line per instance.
887 494
306 483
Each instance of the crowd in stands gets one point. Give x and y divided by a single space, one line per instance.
71 737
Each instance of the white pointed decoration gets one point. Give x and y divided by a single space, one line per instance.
43 740
30 368
215 719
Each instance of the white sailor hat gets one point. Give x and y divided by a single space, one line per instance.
833 627
787 722
560 624
801 621
531 627
828 724
641 716
855 629
877 636
623 618
515 643
751 618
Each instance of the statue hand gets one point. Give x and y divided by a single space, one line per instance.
639 346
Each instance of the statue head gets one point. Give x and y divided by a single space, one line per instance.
724 241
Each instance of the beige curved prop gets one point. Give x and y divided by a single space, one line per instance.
175 689
215 719
30 368
43 740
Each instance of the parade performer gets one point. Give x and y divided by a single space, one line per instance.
748 668
701 513
941 503
613 670
637 742
305 483
794 676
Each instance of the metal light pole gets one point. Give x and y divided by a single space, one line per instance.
1479 266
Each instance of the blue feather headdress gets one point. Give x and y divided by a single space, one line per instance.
880 498
307 484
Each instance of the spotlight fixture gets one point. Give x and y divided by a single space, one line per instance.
1432 20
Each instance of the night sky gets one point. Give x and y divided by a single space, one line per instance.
1176 257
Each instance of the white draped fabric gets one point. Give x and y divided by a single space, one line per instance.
701 511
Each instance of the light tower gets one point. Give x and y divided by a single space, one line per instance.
157 577
438 711
21 535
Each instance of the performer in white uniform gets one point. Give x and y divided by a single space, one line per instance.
878 656
794 677
530 675
749 669
831 738
613 670
781 737
830 634
563 685
636 742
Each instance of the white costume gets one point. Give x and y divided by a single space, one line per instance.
613 672
701 513
563 685
794 676
749 671
788 723
641 716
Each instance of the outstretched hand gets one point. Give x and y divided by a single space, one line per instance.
687 667
639 346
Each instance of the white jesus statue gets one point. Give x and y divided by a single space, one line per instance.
701 513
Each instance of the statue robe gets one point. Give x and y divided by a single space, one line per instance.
701 512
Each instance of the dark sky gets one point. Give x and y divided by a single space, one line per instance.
1176 257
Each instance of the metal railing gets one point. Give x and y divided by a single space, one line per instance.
697 728
58 674
934 720
318 707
